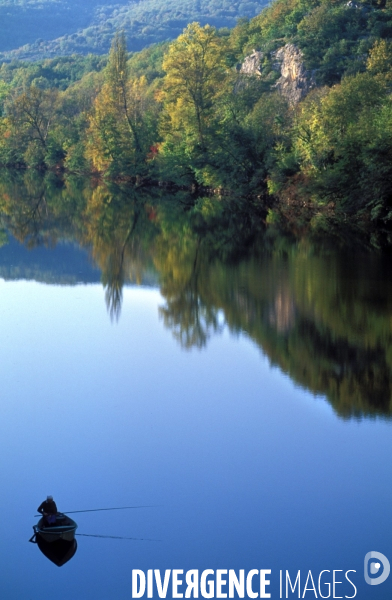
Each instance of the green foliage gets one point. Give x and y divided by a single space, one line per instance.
70 28
195 71
148 62
344 144
60 72
184 111
34 154
335 36
4 91
75 160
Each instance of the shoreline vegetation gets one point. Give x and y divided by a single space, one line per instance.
223 112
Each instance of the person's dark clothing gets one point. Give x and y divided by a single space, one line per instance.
47 507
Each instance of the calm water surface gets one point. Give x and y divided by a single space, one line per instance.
249 401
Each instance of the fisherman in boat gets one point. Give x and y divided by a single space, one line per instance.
48 509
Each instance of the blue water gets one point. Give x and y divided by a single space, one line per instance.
245 469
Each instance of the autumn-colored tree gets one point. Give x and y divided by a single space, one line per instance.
195 68
118 80
119 136
380 59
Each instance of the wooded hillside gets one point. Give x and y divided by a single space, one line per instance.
292 107
35 29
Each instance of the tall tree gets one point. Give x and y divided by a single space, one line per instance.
120 123
195 68
118 80
32 116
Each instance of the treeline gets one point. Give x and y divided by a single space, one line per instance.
185 113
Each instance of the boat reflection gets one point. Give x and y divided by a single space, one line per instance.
59 551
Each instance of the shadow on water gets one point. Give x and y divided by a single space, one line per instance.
58 552
318 307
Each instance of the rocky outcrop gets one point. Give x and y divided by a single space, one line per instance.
252 63
295 81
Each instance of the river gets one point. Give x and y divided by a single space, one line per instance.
238 389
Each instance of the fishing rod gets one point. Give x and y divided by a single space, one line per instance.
72 512
116 537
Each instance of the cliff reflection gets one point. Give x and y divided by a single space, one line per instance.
324 317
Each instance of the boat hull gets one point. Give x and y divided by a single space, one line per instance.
63 529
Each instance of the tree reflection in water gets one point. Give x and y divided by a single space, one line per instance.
192 321
323 315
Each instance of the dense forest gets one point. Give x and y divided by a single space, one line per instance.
191 112
36 29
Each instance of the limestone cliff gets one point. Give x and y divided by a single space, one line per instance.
252 63
295 81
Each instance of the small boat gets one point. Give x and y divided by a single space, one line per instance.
63 529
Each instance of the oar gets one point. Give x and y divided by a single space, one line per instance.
72 512
116 537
